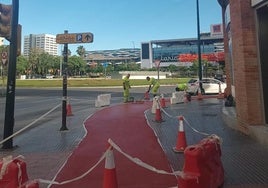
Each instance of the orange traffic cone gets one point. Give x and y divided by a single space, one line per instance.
146 95
199 96
110 180
162 101
158 116
221 95
181 140
69 109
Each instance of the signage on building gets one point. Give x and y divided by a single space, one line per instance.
216 30
169 59
71 38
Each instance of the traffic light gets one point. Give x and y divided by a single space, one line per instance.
5 21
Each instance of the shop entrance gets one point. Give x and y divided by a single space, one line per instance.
262 14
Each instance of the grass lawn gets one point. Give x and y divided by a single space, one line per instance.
89 82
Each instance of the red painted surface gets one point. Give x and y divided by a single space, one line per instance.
126 125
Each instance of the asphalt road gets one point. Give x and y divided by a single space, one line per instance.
32 103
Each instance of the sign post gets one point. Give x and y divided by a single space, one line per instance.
69 38
73 38
11 79
64 86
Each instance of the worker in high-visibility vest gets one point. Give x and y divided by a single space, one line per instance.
181 87
153 85
126 87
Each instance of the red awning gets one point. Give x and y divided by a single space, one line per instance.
216 56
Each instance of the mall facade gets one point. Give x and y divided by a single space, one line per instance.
167 52
245 27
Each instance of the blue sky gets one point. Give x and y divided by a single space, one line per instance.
117 23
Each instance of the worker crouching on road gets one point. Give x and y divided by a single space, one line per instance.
153 85
181 87
126 87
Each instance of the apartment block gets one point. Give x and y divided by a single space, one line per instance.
44 42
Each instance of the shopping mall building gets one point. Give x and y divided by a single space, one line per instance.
182 52
245 25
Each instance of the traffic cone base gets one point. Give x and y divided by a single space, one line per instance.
162 101
181 143
110 180
199 95
158 116
69 110
221 95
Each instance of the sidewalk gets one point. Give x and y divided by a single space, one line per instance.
245 160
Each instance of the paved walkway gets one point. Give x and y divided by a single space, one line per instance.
245 161
46 148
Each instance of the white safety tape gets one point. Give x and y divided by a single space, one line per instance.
143 164
27 126
76 178
195 130
135 160
189 125
170 116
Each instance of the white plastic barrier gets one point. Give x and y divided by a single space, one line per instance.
177 97
103 100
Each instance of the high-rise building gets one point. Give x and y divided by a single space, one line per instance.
45 42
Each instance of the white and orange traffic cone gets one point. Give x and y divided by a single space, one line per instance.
221 95
158 116
69 109
162 101
110 179
155 101
181 139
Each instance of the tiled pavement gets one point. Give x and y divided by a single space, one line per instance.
245 161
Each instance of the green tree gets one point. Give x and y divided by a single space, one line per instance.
76 66
172 68
22 64
33 62
81 51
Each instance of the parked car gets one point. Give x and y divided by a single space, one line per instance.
210 86
49 76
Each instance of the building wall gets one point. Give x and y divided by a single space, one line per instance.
246 68
45 42
168 51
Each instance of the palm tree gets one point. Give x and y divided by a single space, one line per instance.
81 51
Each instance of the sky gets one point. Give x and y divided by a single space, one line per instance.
117 24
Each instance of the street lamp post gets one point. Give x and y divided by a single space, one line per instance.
198 46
